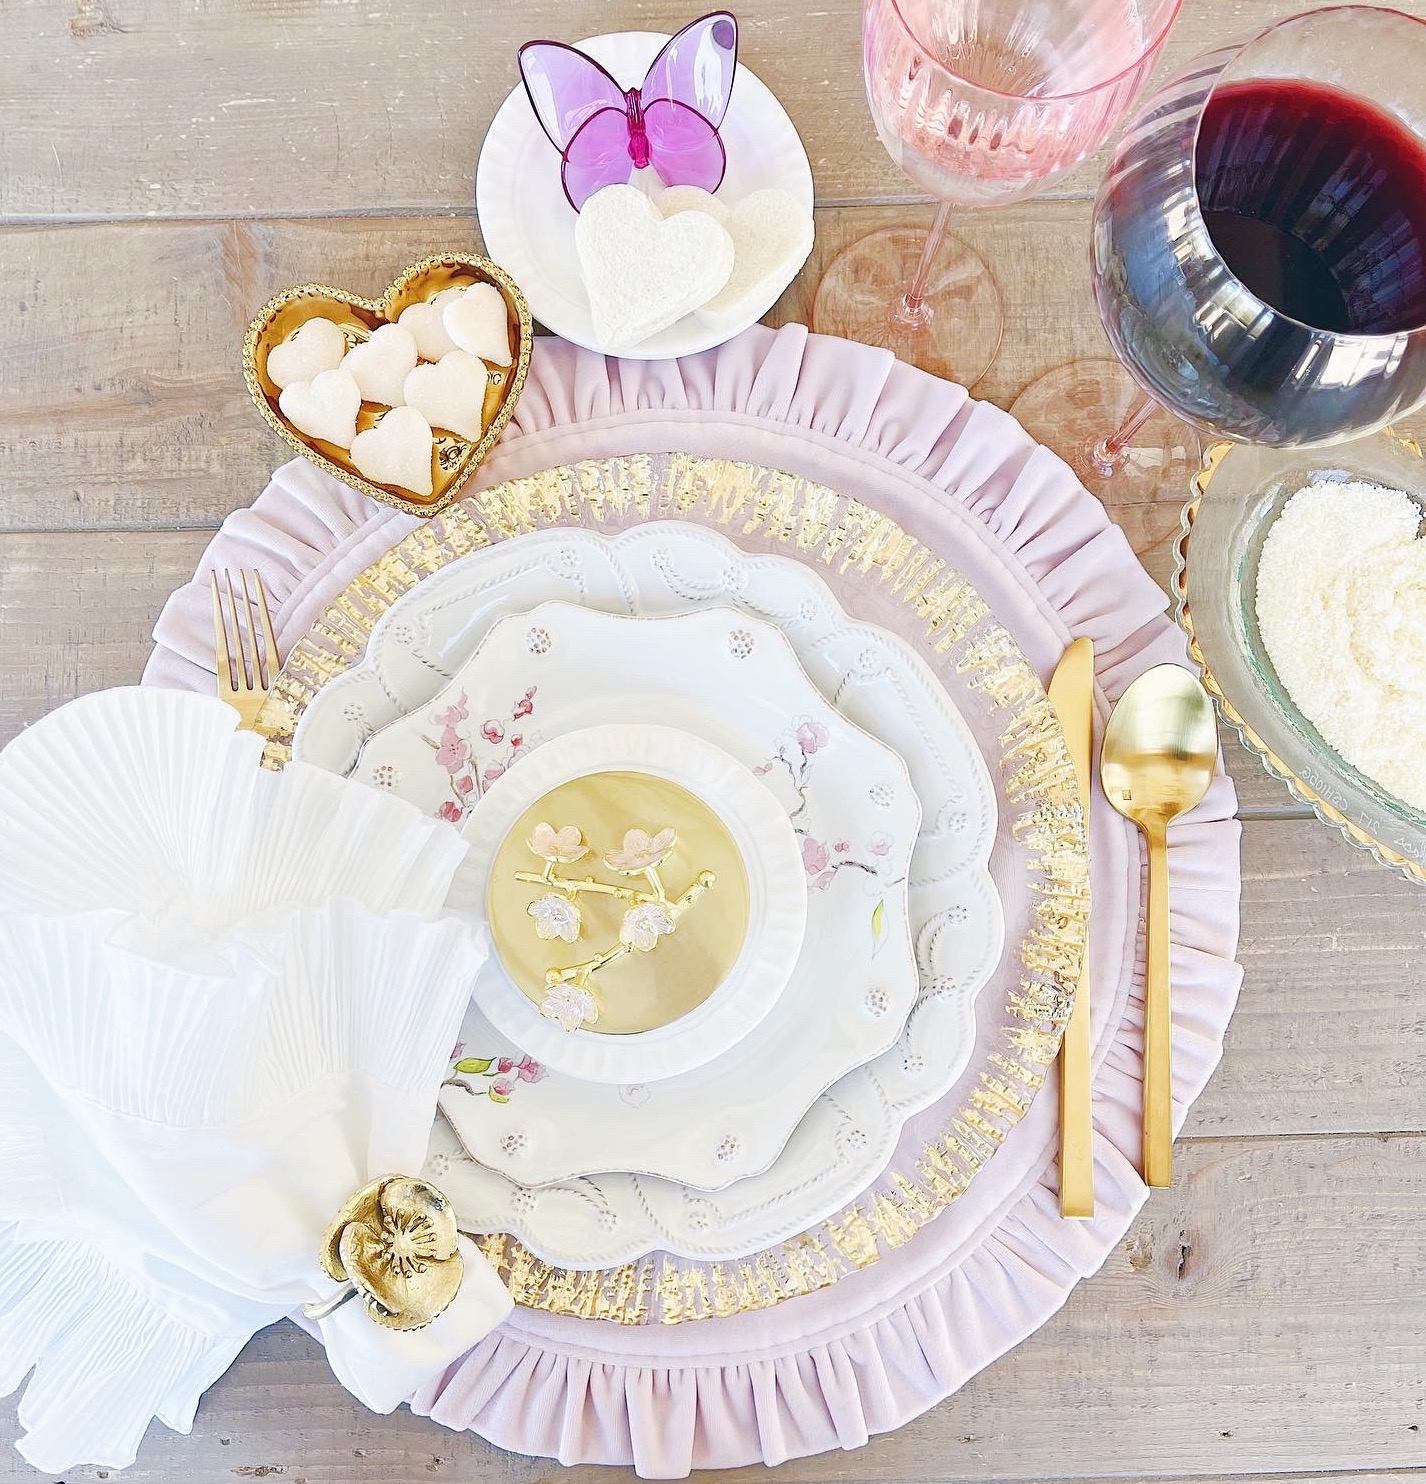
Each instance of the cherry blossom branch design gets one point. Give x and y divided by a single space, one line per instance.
652 914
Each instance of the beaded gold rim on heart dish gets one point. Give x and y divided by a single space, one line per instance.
820 527
456 458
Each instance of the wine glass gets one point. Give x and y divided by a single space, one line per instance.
981 102
1259 250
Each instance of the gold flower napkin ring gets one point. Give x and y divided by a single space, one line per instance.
652 914
394 1245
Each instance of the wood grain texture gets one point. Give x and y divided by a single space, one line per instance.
1211 1344
128 407
160 108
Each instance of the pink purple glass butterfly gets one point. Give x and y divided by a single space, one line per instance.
604 132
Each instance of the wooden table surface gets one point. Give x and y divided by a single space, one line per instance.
166 165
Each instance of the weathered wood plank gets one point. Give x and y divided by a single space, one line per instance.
129 409
1330 1031
1249 1326
147 108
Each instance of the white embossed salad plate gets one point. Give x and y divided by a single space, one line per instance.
528 225
736 682
850 1131
427 635
776 899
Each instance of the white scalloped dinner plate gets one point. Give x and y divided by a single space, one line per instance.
735 682
876 680
528 224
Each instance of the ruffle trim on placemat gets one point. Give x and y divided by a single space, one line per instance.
809 1376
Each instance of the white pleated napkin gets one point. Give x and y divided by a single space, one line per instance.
226 1004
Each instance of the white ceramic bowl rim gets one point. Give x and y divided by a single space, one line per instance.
777 900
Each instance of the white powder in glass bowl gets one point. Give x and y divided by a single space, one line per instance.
1341 603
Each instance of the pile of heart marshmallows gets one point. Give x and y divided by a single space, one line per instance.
429 369
649 261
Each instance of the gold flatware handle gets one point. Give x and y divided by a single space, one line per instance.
1076 1111
1158 1023
1072 695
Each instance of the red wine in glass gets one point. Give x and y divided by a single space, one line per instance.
1259 243
1316 201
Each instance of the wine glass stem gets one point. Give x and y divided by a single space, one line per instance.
1109 453
911 311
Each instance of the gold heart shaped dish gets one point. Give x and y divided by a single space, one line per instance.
401 396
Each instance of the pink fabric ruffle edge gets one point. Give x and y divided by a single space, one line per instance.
836 1367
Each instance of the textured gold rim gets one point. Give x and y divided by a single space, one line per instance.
817 525
484 268
1250 739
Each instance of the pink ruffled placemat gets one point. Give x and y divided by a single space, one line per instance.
865 1355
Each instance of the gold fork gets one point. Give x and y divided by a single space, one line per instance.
246 669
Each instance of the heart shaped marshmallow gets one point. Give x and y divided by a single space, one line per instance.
451 393
692 198
325 407
478 322
643 273
397 451
318 346
381 364
772 237
426 322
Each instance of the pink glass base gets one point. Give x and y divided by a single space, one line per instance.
1076 409
952 330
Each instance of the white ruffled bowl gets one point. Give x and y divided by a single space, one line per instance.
777 901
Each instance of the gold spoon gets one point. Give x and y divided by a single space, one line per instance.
1156 762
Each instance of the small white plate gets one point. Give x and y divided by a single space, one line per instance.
777 899
528 223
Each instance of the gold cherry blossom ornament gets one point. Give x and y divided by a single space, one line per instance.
395 1245
651 914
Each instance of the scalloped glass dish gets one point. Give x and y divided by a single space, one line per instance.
1241 490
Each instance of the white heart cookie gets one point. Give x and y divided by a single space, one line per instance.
478 322
692 198
426 322
318 346
643 273
772 236
381 364
397 451
451 393
325 407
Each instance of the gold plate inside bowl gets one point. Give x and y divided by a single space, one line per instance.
454 459
641 991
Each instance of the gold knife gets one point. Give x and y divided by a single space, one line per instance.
1072 696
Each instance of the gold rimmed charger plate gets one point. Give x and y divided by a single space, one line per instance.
816 525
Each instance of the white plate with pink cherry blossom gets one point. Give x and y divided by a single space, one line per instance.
870 675
735 682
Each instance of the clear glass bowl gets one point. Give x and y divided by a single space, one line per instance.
1237 495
